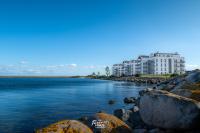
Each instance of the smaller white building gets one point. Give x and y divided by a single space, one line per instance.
117 70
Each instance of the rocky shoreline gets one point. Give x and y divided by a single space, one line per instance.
149 80
171 106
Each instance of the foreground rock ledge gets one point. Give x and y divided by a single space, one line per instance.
112 124
166 110
67 126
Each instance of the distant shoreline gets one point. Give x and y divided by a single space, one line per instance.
42 76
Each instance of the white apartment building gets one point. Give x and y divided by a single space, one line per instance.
156 63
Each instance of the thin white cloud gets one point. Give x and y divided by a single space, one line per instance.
94 67
72 65
23 62
61 69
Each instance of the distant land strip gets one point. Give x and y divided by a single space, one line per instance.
22 76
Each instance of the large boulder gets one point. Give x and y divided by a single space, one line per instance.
106 123
67 126
166 110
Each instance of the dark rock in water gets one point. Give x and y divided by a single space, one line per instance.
122 114
83 119
169 111
102 111
134 109
111 102
137 102
129 100
142 92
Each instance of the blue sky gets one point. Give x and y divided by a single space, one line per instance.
77 37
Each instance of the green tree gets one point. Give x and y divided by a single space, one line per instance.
93 74
107 69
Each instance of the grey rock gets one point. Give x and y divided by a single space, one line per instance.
156 130
166 110
142 92
193 77
139 131
111 102
137 102
136 109
135 120
182 92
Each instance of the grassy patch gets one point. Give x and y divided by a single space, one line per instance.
155 76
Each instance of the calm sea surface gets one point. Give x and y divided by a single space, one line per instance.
30 103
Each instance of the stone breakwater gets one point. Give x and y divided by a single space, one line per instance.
171 106
149 80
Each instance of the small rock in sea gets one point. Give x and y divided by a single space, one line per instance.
134 109
111 102
102 111
84 118
154 87
137 102
129 100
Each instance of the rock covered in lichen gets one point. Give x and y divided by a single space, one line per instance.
109 123
66 126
